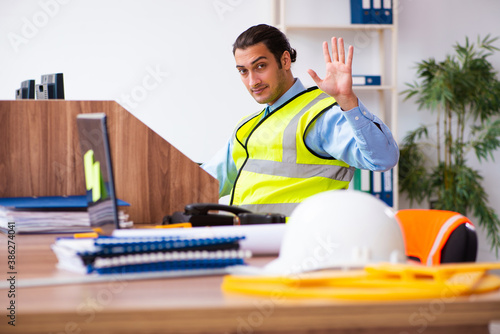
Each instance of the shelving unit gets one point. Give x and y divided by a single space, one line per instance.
387 91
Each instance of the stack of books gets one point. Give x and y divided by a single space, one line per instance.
122 255
52 214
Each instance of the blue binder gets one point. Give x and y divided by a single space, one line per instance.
366 80
386 11
49 202
382 186
387 188
376 12
371 11
361 11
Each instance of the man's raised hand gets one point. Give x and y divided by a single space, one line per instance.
338 78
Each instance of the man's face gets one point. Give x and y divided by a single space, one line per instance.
261 74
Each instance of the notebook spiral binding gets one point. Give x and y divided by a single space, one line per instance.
169 261
115 245
126 255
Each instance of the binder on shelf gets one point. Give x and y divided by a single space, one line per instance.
366 80
371 11
376 182
360 11
362 180
386 12
379 184
387 187
356 180
376 12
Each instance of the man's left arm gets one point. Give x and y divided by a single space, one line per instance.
355 136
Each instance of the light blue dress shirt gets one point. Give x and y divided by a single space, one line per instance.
355 136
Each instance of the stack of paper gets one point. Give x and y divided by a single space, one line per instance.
48 214
260 239
114 255
49 221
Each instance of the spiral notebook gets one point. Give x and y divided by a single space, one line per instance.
114 255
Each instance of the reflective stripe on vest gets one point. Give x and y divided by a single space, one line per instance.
444 233
276 169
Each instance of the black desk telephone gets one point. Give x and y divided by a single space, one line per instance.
198 214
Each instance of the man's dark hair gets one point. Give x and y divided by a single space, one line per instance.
275 41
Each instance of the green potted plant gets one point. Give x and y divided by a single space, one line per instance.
463 92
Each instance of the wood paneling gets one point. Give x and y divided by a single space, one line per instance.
40 156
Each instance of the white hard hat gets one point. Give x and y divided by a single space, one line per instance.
339 229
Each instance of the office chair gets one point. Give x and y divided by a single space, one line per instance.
433 237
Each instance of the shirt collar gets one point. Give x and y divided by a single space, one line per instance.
297 88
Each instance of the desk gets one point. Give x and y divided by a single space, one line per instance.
197 305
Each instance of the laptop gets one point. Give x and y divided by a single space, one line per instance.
102 202
98 169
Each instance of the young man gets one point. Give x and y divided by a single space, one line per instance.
305 141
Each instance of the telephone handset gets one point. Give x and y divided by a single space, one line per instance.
204 208
202 214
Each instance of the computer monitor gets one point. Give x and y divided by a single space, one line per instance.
99 180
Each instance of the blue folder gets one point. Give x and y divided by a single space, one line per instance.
49 202
371 11
361 11
387 188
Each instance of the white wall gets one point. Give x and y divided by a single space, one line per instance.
173 58
108 49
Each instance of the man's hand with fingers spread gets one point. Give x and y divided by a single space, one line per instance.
338 78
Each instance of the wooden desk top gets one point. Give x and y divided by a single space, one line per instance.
197 305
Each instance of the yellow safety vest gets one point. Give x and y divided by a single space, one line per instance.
276 170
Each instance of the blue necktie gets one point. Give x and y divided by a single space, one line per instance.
268 110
